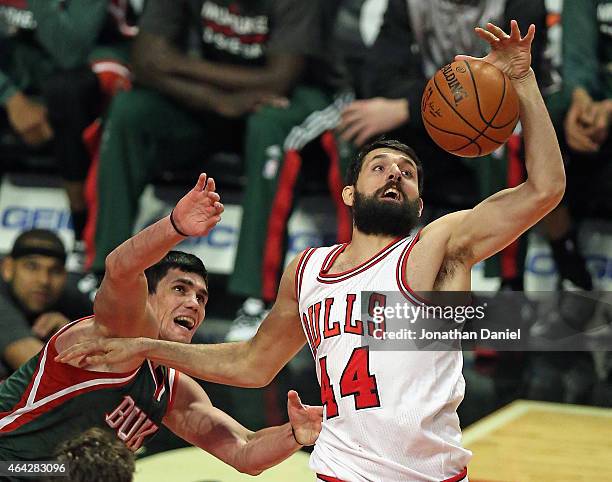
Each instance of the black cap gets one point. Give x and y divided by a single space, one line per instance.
39 241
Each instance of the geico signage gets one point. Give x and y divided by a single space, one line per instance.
222 237
542 264
226 237
20 218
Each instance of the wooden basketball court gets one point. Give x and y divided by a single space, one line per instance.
541 442
192 464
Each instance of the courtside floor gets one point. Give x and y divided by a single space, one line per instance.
192 464
541 442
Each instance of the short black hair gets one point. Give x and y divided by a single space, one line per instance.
38 241
97 454
352 173
186 262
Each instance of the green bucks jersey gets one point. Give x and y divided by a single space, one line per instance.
45 402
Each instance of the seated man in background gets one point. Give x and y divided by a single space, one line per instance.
147 291
34 299
280 151
587 104
586 113
49 92
201 68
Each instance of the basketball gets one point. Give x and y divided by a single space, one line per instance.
469 108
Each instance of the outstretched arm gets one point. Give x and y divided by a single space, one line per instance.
498 220
121 303
195 419
252 363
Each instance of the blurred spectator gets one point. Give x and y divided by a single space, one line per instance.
47 87
34 300
586 66
214 76
355 30
587 86
96 454
587 73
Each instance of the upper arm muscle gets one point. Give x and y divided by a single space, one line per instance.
121 307
496 222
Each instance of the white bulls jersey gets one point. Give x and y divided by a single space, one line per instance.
389 415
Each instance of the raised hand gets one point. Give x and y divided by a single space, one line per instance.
306 420
509 53
199 210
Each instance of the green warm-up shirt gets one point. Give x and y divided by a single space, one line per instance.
587 47
41 36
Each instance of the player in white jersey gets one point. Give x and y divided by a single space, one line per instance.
389 416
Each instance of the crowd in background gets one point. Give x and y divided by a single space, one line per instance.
119 92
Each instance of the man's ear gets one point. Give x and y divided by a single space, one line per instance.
348 193
420 206
7 269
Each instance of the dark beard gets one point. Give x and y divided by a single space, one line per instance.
371 215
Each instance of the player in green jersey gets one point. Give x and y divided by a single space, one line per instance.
147 291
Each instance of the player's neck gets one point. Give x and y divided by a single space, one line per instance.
367 245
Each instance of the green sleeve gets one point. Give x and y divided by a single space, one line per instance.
7 89
68 31
580 37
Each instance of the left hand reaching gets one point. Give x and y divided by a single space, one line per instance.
305 419
102 351
509 53
199 210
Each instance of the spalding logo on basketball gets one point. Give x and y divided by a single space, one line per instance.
469 108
